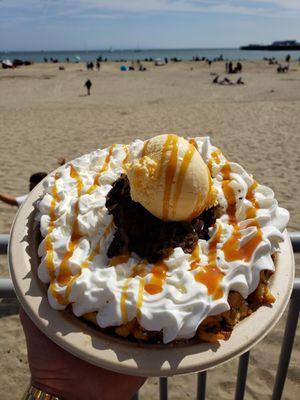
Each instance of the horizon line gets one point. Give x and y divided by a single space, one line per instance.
111 49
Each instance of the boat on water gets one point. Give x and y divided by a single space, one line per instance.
288 45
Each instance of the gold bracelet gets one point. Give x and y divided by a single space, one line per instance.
33 393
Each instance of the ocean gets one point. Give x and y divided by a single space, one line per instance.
128 55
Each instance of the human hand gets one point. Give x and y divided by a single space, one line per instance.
58 372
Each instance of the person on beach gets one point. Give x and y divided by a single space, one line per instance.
98 65
56 372
19 200
88 85
239 67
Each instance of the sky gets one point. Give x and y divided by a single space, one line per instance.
129 24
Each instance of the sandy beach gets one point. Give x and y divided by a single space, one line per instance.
45 114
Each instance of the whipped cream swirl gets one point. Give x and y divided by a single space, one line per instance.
177 294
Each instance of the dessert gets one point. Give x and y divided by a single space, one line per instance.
162 240
170 179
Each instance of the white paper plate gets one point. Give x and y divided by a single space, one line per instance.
87 343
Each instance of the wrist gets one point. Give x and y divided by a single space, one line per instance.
35 393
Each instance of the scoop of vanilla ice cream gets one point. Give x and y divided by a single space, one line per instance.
170 179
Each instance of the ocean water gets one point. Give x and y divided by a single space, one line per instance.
128 55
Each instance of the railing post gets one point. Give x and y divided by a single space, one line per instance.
6 289
242 376
3 243
287 343
163 388
295 239
201 385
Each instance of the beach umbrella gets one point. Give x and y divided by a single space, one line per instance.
7 64
77 58
159 62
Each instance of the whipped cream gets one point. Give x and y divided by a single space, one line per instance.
175 295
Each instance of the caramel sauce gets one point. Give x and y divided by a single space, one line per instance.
214 157
195 257
58 297
251 211
145 147
140 299
181 175
48 241
103 169
232 249
87 262
211 275
230 198
124 297
64 270
197 209
226 170
172 141
69 287
200 204
193 142
126 155
159 274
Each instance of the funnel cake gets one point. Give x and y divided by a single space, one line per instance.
194 287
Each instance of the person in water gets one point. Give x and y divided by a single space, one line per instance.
88 85
19 200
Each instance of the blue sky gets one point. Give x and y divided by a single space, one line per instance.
99 24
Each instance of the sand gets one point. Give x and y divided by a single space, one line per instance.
45 114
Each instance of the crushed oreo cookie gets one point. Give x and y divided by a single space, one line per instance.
141 232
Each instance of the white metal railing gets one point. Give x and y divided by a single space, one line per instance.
7 291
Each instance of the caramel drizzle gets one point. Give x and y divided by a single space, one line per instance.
48 241
210 275
124 297
171 141
85 264
103 169
64 270
159 274
183 168
126 155
195 257
199 207
193 142
145 147
229 193
231 248
251 212
140 299
214 157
